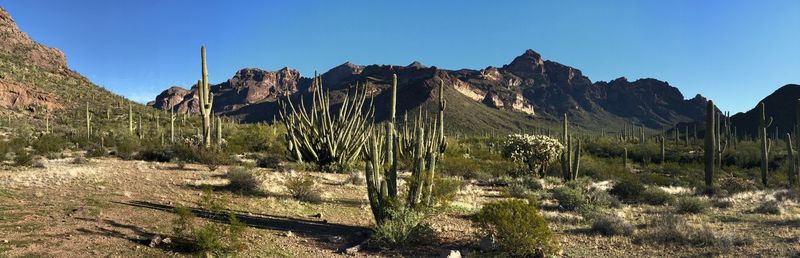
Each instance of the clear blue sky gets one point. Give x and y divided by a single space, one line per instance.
734 52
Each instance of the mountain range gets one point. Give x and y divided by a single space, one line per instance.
527 93
528 89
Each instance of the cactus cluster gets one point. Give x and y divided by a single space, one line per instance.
382 154
325 136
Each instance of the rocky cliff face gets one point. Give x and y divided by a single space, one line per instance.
17 43
528 85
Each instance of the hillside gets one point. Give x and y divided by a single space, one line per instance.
781 105
35 80
528 92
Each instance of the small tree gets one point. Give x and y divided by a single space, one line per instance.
534 151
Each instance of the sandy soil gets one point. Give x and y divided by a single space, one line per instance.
114 208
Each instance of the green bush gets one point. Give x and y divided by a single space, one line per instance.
211 239
734 185
569 198
610 225
406 227
517 190
243 180
518 227
656 196
96 151
23 159
445 189
126 146
628 190
303 188
691 205
269 161
48 143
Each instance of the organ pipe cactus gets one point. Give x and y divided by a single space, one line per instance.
206 99
765 143
381 157
710 144
321 135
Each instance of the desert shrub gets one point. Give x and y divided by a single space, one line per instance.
337 167
126 146
181 164
721 203
303 188
551 180
212 158
600 198
691 205
95 151
628 190
769 207
355 178
611 225
80 160
445 189
656 196
517 190
406 227
155 154
243 180
535 152
48 143
39 162
210 239
518 227
269 161
23 158
672 229
569 198
532 183
734 185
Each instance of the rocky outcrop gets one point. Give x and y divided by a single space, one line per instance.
25 97
16 43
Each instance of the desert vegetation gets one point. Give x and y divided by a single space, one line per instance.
329 179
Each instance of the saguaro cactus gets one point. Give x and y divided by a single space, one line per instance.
765 142
130 119
571 156
219 131
663 150
206 99
710 144
792 172
88 122
172 125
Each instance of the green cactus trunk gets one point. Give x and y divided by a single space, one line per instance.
710 143
206 99
792 172
765 142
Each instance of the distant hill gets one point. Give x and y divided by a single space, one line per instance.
35 78
526 93
781 105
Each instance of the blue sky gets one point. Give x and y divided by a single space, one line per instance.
734 52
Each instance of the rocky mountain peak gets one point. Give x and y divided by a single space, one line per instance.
529 64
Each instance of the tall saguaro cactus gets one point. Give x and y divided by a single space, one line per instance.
219 131
88 122
571 156
206 99
130 118
172 125
765 142
710 144
792 172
